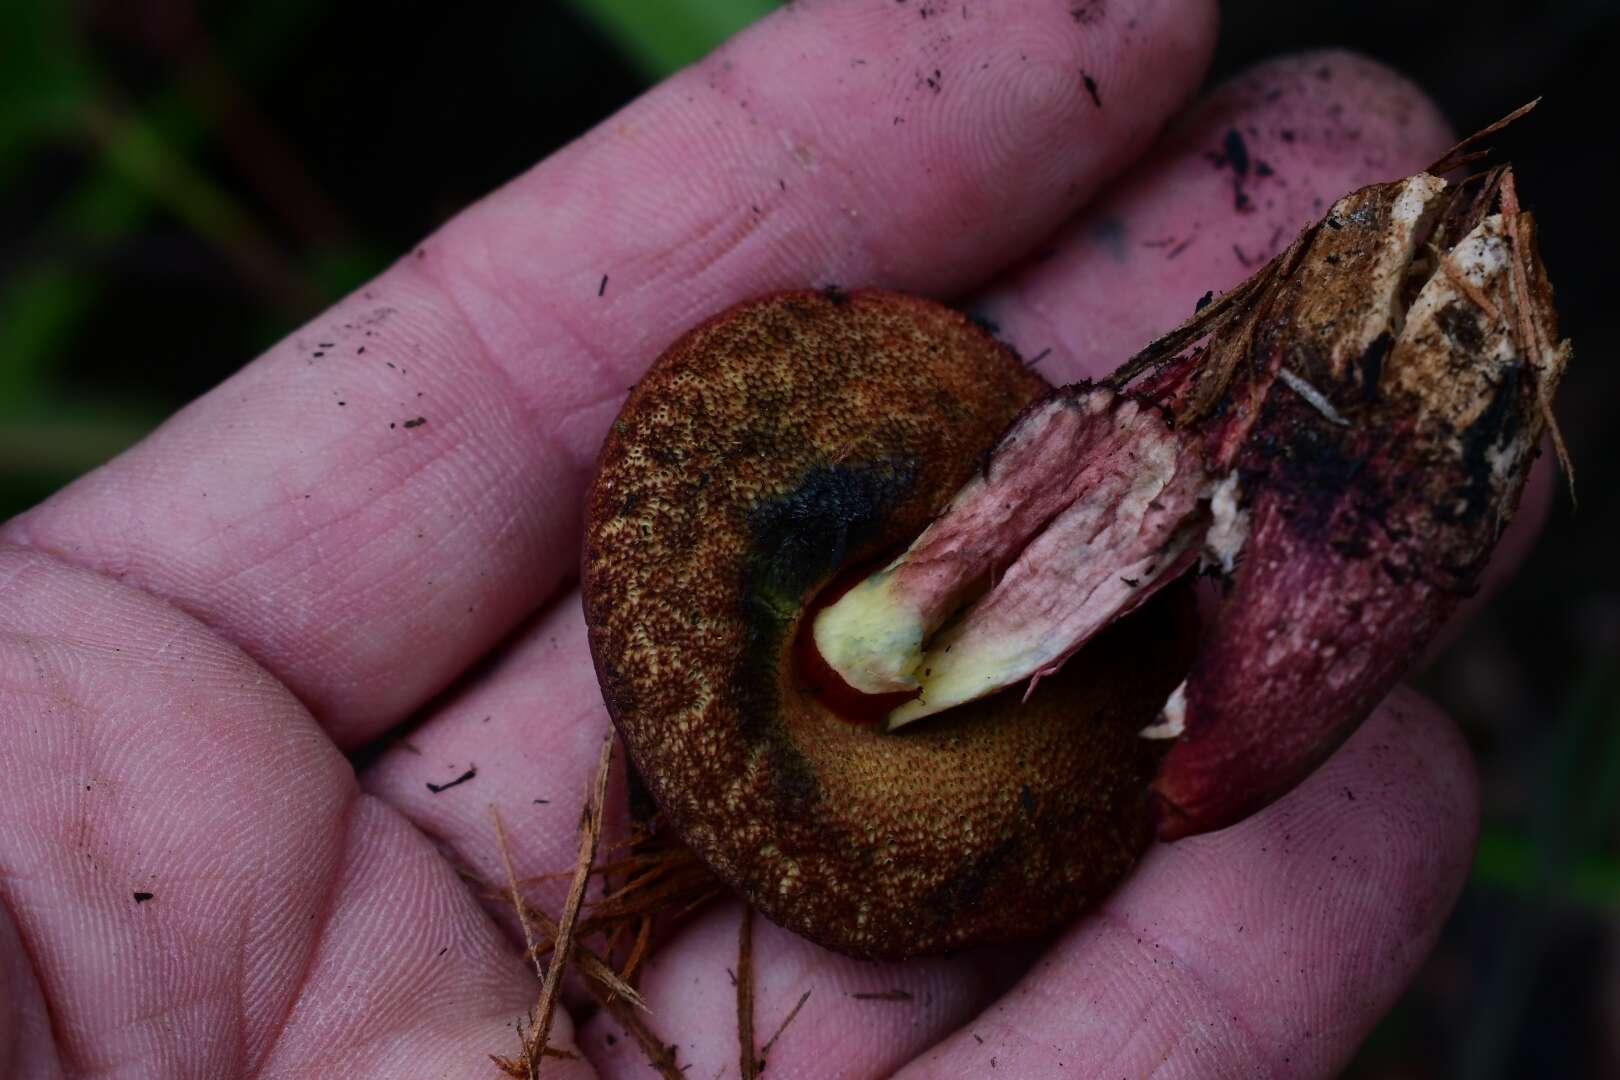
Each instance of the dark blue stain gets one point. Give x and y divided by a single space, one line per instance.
797 541
799 538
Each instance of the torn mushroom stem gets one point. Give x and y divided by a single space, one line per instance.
1088 505
1376 392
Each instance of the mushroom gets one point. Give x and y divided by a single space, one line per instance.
767 452
907 693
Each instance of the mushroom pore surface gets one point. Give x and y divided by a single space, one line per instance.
765 452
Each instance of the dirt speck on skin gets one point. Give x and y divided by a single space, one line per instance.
1109 234
471 772
1234 155
1089 13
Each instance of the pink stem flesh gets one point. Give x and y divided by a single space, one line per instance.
1091 502
1026 485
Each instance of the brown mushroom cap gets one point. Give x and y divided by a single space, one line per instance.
768 449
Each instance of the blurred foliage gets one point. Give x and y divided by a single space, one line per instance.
1556 861
131 162
135 162
659 37
125 153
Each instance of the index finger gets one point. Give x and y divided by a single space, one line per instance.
377 500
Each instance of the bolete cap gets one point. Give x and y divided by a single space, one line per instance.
767 451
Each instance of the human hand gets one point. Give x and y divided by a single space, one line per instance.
192 637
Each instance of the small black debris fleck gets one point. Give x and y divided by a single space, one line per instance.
471 772
1091 88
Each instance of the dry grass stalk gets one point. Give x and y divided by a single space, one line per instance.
638 951
659 1056
665 883
518 1067
765 1051
1530 338
1459 155
518 905
668 882
535 1039
1468 288
590 836
591 964
618 999
528 1062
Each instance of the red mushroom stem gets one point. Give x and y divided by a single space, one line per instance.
1341 439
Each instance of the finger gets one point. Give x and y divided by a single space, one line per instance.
411 978
523 737
25 1020
381 497
860 1018
1256 161
1269 948
194 881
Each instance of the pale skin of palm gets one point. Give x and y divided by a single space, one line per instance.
194 637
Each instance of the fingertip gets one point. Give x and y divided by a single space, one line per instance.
1447 765
1262 156
1398 804
1317 911
1354 115
1275 944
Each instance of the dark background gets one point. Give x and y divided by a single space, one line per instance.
181 183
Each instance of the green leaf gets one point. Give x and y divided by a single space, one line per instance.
45 78
1512 863
43 70
49 88
660 36
1558 858
37 308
